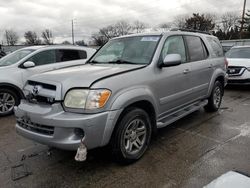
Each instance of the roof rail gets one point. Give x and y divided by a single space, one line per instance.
190 30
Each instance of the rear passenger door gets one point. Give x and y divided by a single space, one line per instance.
202 67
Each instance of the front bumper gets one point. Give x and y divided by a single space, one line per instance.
243 79
52 126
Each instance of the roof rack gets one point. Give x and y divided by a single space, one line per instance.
190 30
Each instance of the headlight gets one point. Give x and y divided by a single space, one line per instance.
87 99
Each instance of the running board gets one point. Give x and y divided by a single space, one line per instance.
181 113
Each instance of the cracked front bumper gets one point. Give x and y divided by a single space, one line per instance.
52 126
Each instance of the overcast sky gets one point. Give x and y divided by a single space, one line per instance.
89 15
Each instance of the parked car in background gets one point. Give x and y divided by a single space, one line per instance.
2 53
239 65
226 48
129 88
17 67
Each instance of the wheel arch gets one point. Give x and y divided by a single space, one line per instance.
14 88
218 76
111 126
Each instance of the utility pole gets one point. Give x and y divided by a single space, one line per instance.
73 40
242 19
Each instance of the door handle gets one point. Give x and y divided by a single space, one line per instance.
186 71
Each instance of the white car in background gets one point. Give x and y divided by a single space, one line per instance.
238 58
17 67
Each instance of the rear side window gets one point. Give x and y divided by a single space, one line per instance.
196 48
43 58
216 46
69 55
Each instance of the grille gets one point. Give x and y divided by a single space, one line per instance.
38 92
40 99
246 81
234 70
45 86
34 127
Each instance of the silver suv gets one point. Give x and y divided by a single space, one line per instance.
129 88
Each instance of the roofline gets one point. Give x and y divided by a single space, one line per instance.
179 32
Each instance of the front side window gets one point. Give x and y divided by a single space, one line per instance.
14 57
174 45
129 50
43 58
196 48
239 53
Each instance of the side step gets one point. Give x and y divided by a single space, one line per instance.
180 113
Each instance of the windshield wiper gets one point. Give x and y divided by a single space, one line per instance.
119 61
94 62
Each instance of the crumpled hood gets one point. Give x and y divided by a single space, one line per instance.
238 62
82 76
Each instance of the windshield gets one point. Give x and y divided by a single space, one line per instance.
14 57
239 53
129 50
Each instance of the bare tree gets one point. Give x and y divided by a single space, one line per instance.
138 26
180 21
118 29
164 26
47 36
31 38
99 40
123 28
11 37
81 43
229 20
66 42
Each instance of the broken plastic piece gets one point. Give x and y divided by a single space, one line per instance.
19 171
81 154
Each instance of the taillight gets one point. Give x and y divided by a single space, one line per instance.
226 63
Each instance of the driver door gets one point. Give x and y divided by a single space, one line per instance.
173 84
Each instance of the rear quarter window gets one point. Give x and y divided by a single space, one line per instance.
216 46
82 54
69 55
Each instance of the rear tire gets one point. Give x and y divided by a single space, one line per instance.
131 136
8 99
214 100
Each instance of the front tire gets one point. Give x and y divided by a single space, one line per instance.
8 99
214 101
132 136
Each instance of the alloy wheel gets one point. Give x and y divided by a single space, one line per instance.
7 102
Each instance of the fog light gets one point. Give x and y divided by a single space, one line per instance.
79 132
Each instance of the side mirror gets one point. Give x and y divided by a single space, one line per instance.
29 64
171 60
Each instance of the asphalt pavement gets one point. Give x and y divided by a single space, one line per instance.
189 153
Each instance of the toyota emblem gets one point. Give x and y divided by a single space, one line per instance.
36 90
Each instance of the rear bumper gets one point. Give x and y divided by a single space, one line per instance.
62 126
